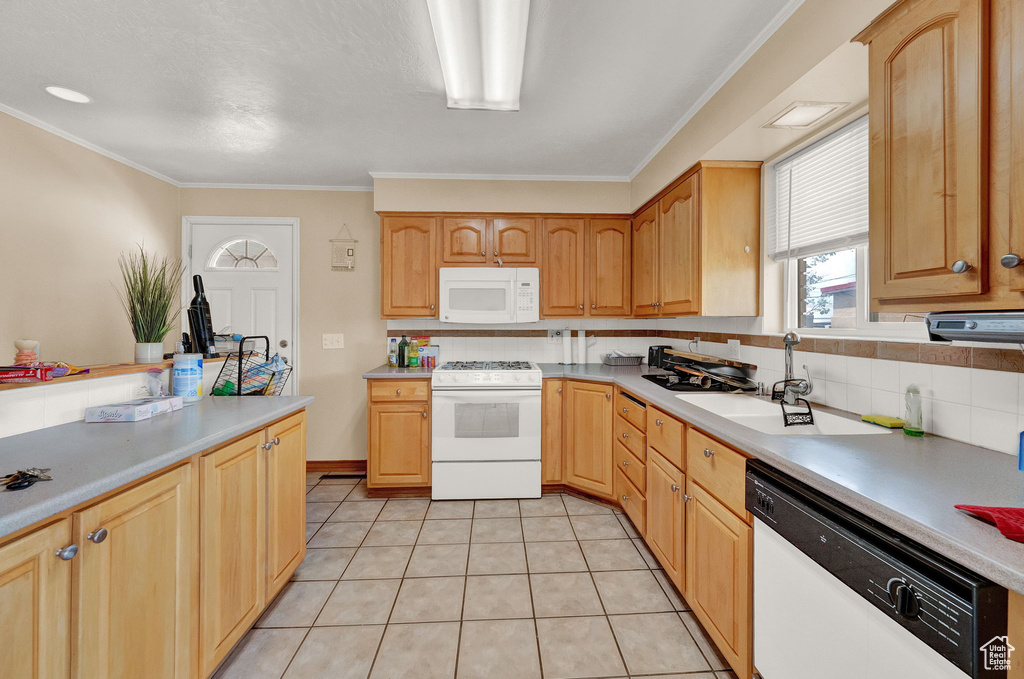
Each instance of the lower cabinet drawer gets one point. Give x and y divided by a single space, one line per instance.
631 437
390 391
633 468
667 435
632 501
719 469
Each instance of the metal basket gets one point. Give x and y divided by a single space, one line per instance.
608 359
248 373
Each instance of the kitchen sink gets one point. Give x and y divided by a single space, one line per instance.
766 416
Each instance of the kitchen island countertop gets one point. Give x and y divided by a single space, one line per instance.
908 484
87 460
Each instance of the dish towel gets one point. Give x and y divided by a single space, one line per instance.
1009 520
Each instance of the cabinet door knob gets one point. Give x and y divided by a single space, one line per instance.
625 463
276 441
708 452
398 392
1010 261
625 434
67 553
593 306
97 536
675 488
625 410
268 446
431 306
559 390
483 254
654 304
581 306
608 396
658 423
424 413
687 498
961 266
625 498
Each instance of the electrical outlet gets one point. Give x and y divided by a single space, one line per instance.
734 349
333 341
555 335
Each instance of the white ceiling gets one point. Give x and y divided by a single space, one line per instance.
324 92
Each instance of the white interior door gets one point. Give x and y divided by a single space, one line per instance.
250 272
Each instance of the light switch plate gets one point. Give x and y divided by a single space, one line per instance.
333 340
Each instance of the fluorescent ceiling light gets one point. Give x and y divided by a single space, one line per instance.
67 94
801 115
481 44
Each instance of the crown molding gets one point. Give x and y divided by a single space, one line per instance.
501 177
273 187
759 40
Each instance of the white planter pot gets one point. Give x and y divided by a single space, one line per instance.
149 352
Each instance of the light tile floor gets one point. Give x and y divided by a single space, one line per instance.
558 588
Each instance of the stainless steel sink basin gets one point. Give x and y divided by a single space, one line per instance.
766 416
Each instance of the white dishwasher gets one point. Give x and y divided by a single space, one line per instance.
838 595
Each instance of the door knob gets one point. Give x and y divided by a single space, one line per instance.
961 266
495 253
483 254
424 413
67 553
657 423
625 498
283 343
276 441
431 306
625 410
97 536
593 306
687 498
581 306
675 488
559 390
608 396
268 446
1010 261
398 392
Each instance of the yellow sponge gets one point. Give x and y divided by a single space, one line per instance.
884 421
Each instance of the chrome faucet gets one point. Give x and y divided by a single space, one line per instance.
792 386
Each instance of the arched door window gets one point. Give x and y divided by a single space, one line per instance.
243 253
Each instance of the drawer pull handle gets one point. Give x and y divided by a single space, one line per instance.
398 392
268 446
625 410
625 462
67 553
625 498
675 488
625 435
97 536
708 452
658 422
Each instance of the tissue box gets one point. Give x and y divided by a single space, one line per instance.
134 411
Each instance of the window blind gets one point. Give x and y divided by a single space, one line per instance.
818 201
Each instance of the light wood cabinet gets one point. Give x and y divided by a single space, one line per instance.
408 267
514 240
632 501
608 265
665 515
696 248
562 268
667 435
588 437
632 409
136 580
464 240
719 579
551 431
398 437
721 470
35 597
233 545
286 500
928 97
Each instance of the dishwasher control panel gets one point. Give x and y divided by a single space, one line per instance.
951 609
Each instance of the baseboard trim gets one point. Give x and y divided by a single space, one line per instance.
419 491
546 489
340 466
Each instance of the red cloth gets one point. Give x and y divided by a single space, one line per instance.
1009 520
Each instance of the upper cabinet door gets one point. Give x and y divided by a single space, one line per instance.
464 240
514 240
561 286
645 263
608 267
679 249
408 267
928 99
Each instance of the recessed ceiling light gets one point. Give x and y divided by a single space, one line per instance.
481 44
801 115
67 94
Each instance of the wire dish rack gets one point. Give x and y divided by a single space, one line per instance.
251 373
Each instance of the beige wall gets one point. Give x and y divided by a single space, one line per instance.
475 195
65 214
816 30
330 302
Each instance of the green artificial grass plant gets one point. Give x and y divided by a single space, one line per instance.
151 291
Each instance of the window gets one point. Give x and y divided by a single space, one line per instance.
817 226
244 253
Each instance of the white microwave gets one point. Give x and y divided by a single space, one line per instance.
487 295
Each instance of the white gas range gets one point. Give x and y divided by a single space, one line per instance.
486 430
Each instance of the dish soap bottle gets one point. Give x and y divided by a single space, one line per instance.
914 419
403 353
393 353
414 354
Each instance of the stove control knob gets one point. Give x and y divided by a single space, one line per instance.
904 599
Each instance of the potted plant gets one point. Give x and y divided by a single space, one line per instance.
151 290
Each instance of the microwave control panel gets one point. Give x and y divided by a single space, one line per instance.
527 301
